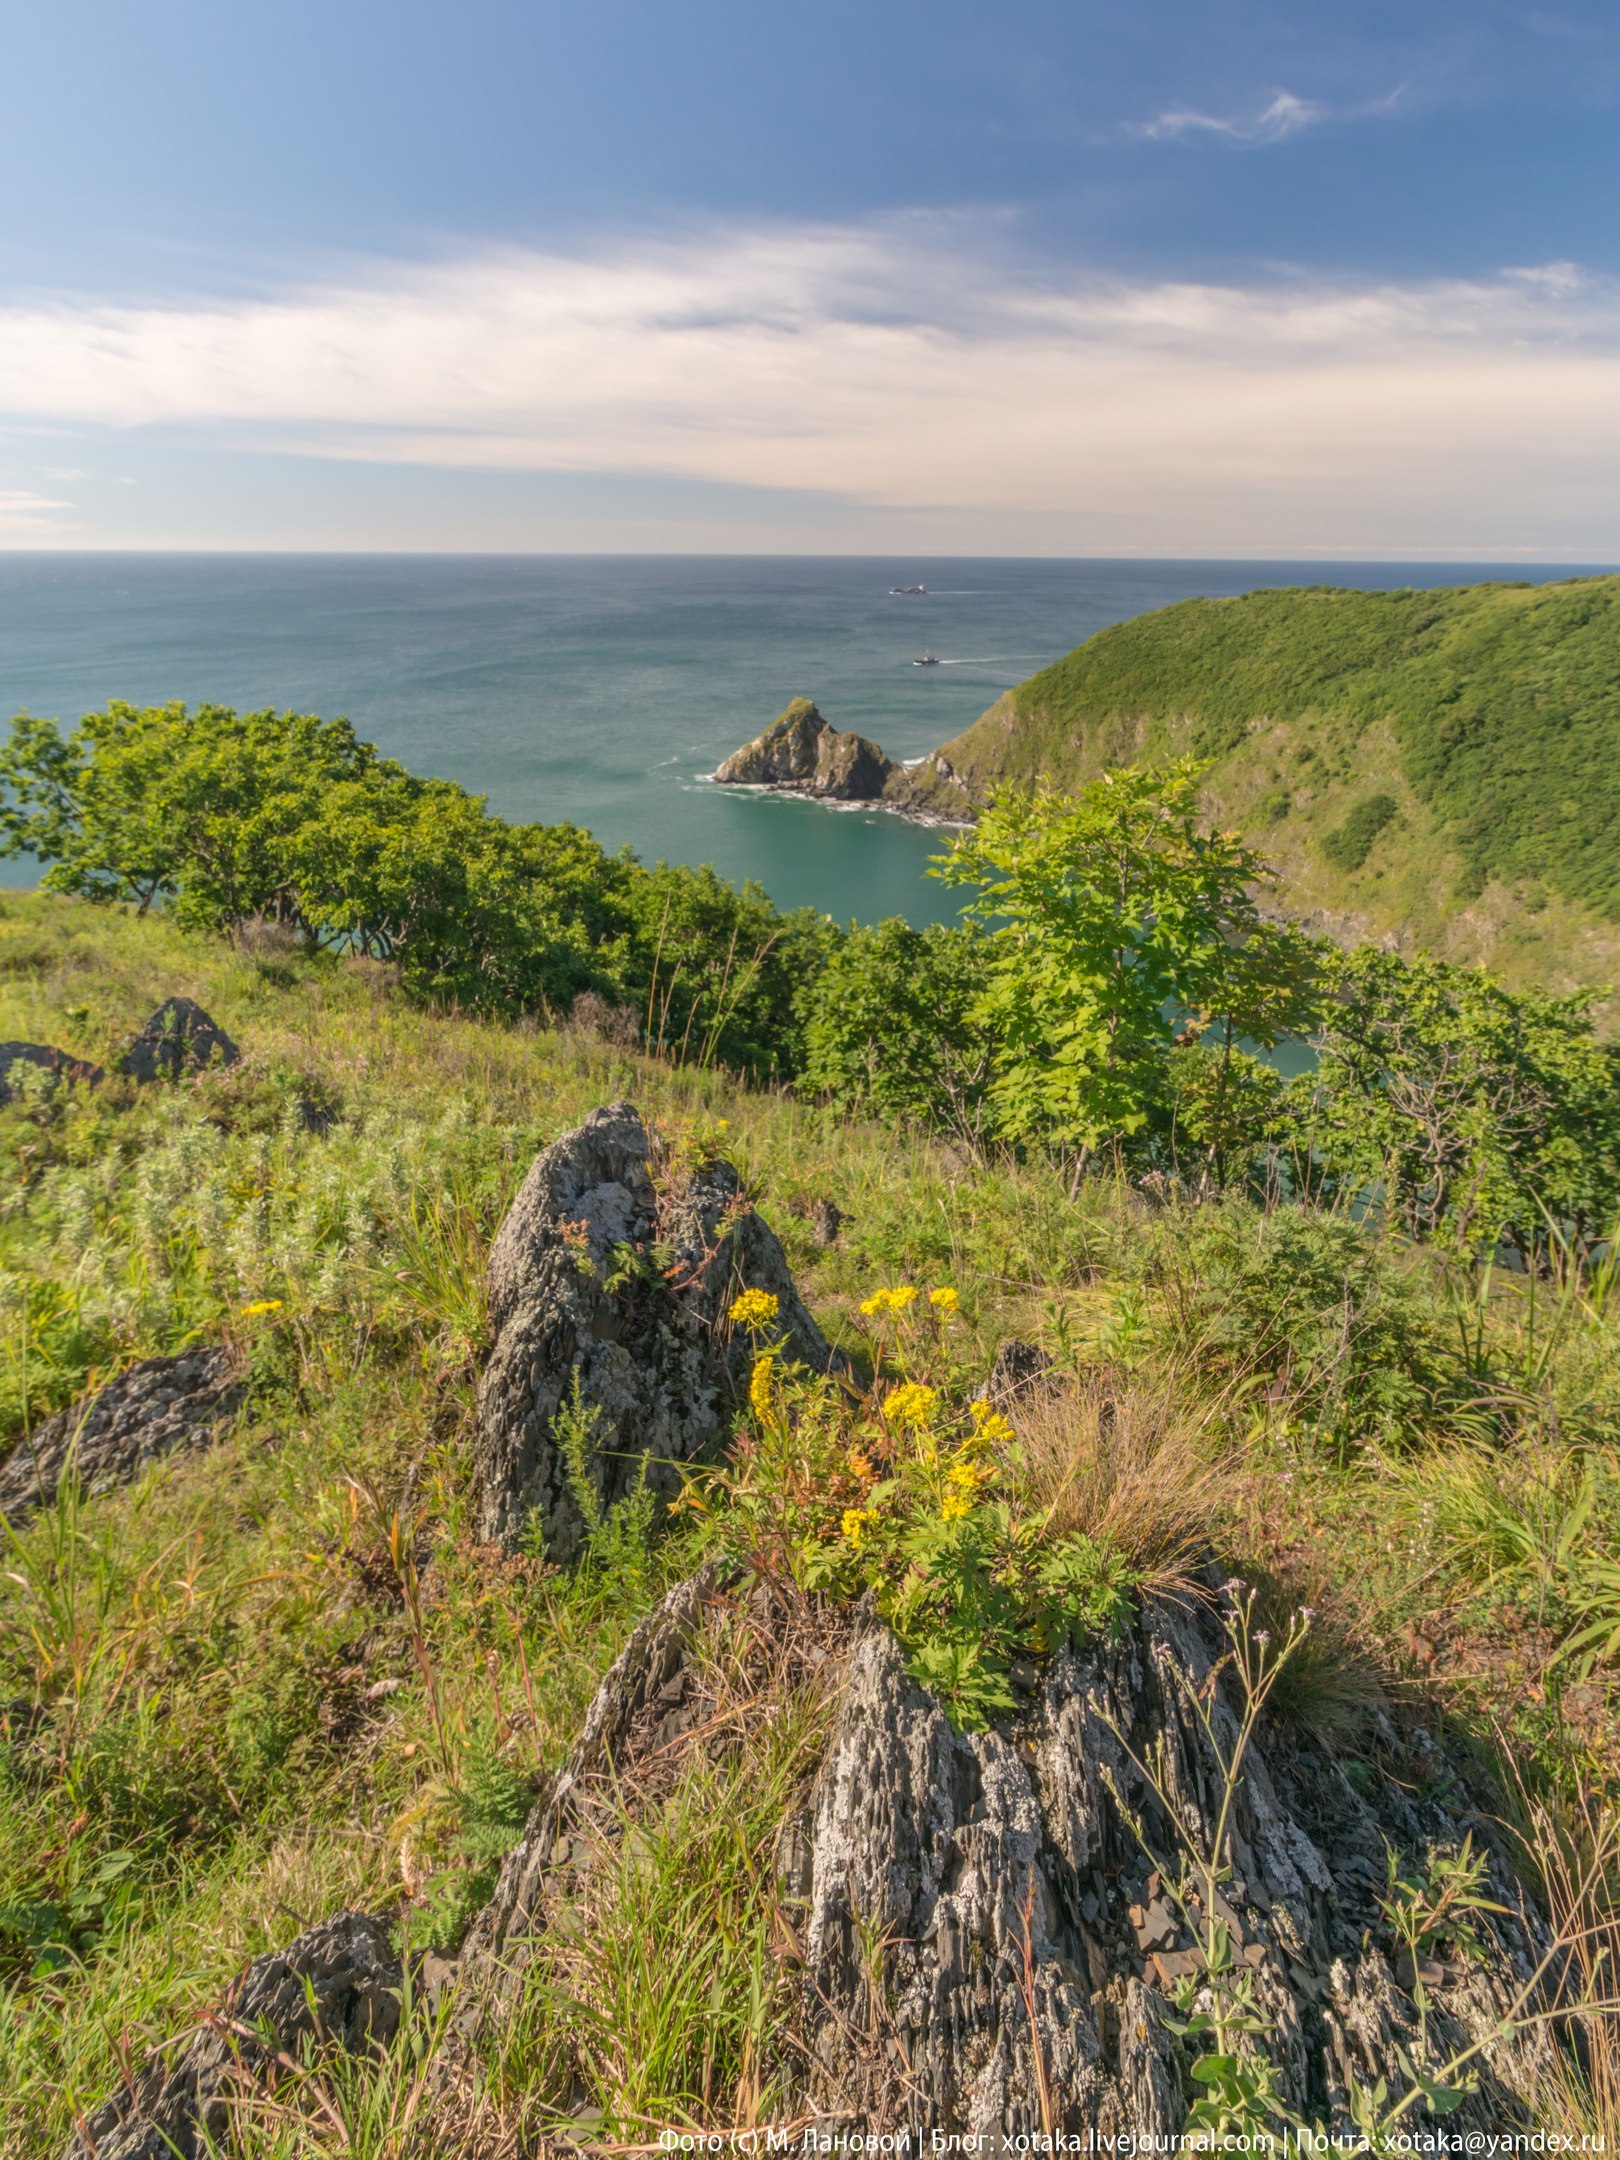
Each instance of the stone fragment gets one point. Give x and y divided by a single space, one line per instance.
609 1278
337 1985
59 1065
150 1410
180 1039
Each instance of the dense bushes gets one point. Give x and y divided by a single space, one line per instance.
1112 990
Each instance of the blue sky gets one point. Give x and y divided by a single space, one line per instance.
1096 279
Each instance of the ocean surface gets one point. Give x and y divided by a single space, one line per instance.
604 689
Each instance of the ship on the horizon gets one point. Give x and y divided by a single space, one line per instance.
905 591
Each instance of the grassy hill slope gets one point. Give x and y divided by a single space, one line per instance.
1443 766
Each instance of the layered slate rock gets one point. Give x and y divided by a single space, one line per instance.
612 1275
60 1065
179 1040
801 753
149 1411
978 1937
337 1986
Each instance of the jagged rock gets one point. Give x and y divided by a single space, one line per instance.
178 1040
980 1936
1019 1370
826 1221
604 1271
800 752
178 2111
60 1065
150 1410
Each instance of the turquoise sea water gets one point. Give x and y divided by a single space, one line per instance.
604 689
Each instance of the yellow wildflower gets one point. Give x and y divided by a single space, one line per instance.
955 1505
754 1309
964 1475
761 1380
990 1428
262 1305
911 1403
944 1300
855 1522
888 1301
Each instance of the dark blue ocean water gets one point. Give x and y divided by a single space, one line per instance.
603 689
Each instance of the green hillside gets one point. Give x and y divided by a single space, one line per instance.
1442 765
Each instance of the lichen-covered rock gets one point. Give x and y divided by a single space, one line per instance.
800 752
609 1275
337 1986
1029 1946
151 1409
178 1040
60 1065
975 1934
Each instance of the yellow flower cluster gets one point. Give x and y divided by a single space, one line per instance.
911 1403
855 1522
944 1300
262 1305
955 1506
990 1428
889 1301
754 1309
761 1389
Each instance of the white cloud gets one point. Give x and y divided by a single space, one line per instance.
1286 115
24 515
905 367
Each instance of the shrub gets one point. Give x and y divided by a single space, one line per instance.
1348 845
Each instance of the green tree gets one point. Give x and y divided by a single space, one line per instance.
1478 1114
889 1027
1114 916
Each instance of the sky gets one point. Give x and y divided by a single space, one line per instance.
1058 277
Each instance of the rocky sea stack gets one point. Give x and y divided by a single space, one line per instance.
802 752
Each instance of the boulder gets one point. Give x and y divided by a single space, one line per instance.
980 1938
59 1064
337 1986
801 753
150 1410
180 1039
614 1271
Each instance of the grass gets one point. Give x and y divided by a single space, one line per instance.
281 1675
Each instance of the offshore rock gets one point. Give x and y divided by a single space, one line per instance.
614 1271
150 1410
799 752
180 1039
60 1065
336 1986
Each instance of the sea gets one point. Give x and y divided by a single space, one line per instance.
605 689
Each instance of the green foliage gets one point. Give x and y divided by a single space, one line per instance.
1113 912
889 1026
1348 845
1474 1115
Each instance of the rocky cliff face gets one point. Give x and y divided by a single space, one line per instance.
614 1271
801 754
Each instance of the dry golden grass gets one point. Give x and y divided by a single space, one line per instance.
1134 1460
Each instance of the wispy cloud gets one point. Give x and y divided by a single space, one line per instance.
1284 116
26 516
903 367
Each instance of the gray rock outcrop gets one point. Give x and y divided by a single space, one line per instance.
60 1065
980 1938
150 1410
801 753
337 1986
615 1270
180 1039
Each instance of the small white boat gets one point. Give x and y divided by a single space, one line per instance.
928 660
905 592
